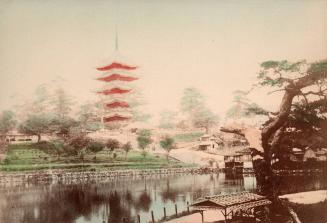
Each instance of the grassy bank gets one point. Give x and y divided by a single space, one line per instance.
21 157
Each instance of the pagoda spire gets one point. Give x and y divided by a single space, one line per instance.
116 40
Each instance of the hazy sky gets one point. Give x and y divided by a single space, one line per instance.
216 46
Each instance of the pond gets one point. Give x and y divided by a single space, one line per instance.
111 201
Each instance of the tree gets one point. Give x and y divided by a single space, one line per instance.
144 138
193 104
62 103
136 101
204 118
243 107
144 153
140 116
240 101
127 147
37 125
76 145
54 147
191 100
167 119
95 147
167 143
40 101
304 103
112 144
87 117
56 107
7 121
65 126
58 146
303 109
38 104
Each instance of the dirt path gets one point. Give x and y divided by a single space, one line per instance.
188 155
309 197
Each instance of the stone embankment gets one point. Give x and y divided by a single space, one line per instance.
62 176
298 172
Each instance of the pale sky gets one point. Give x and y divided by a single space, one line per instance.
216 46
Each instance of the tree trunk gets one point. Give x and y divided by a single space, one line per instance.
38 137
270 137
2 138
293 214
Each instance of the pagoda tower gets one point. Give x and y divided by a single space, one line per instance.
118 95
116 92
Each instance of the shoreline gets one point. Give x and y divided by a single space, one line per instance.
306 198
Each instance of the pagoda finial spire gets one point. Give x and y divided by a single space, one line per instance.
116 40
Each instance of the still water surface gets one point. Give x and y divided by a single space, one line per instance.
110 201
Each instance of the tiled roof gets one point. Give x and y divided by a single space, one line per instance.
235 201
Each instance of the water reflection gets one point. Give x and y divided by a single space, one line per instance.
110 202
295 184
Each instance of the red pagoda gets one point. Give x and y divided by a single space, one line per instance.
116 90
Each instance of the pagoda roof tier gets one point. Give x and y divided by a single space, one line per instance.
116 118
120 112
114 91
118 104
116 84
116 65
115 77
132 73
107 99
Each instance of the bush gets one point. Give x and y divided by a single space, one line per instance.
58 146
78 142
112 144
95 146
46 147
127 147
14 156
55 147
70 150
76 145
144 153
144 138
6 161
